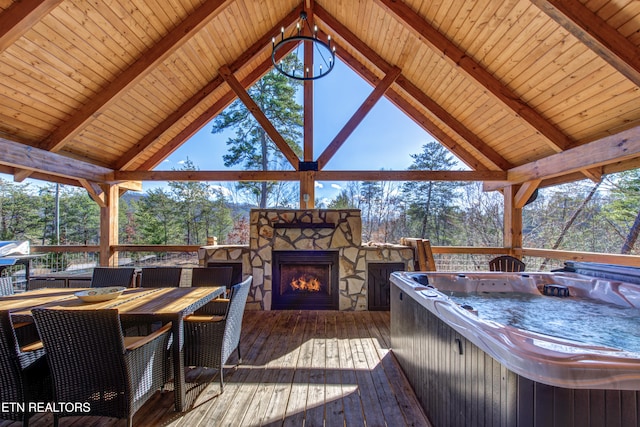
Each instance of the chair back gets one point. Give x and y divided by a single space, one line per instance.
85 351
10 380
6 286
235 312
160 277
212 276
506 263
48 282
103 277
24 376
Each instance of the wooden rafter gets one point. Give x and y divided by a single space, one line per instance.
412 112
205 117
95 192
259 115
20 17
405 175
453 125
525 191
611 149
358 116
135 73
596 34
146 142
556 139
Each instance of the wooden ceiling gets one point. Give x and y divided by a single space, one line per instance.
521 91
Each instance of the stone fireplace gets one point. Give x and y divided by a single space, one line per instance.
321 247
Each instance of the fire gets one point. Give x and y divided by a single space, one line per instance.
306 283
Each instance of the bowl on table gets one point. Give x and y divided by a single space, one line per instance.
100 294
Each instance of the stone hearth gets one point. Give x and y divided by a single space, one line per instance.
307 230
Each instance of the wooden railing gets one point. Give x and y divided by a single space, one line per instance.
628 260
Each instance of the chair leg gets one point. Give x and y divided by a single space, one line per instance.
221 379
239 355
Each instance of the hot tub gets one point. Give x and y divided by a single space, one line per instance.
468 369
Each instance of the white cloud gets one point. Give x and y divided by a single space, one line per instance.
223 190
182 162
319 184
336 186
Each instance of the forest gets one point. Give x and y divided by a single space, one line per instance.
581 216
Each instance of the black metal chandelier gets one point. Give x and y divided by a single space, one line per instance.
323 51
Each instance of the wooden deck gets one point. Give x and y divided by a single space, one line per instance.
311 368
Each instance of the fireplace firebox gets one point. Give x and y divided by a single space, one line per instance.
305 280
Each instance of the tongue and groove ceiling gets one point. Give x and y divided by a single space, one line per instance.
521 91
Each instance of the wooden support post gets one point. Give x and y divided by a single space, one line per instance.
307 178
109 226
307 190
512 220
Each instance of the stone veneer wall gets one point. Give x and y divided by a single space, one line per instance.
283 229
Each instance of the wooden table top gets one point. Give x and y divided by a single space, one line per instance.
133 301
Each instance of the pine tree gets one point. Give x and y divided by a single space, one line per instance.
431 204
251 147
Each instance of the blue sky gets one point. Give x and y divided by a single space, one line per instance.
385 139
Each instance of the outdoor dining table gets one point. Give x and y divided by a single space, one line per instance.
143 304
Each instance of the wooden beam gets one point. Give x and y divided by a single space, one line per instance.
357 117
138 71
26 157
20 16
452 123
54 167
9 170
400 101
611 149
129 158
556 139
21 174
381 175
525 192
435 130
259 115
596 34
207 115
95 192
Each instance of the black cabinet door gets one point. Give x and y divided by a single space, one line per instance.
378 285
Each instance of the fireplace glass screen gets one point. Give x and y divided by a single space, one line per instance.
305 280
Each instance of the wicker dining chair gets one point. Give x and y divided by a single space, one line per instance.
160 277
103 277
48 282
506 263
92 362
6 286
212 276
24 373
210 340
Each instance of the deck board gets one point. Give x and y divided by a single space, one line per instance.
299 368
